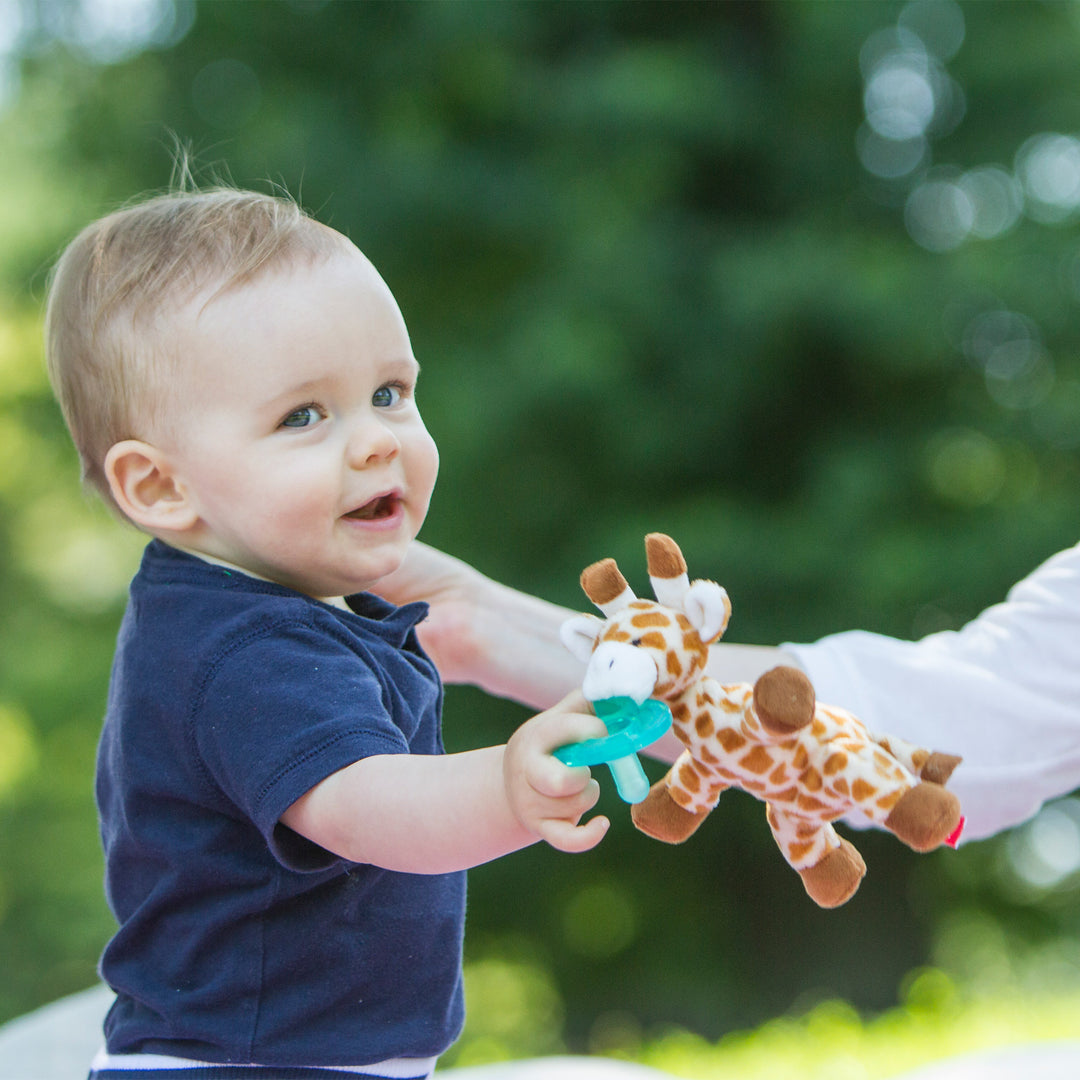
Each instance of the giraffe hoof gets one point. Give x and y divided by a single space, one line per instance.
925 817
939 767
658 815
784 700
834 879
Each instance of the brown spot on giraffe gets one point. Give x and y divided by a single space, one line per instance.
887 802
689 778
674 668
779 774
834 763
799 851
703 725
650 618
757 761
862 791
730 739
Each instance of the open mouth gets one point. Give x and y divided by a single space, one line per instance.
383 506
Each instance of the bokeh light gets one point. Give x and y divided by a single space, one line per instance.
996 197
899 96
939 214
910 100
908 96
1048 166
1045 852
938 23
18 747
965 468
1007 347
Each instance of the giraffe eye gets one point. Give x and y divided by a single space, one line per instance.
636 642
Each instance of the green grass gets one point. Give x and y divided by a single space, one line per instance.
832 1041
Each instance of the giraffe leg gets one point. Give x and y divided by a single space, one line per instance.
834 880
678 804
939 767
925 816
830 867
658 815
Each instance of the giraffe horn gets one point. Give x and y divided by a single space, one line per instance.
667 569
605 586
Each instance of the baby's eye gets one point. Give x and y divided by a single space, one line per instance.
303 417
386 396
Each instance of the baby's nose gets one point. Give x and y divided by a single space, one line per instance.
370 443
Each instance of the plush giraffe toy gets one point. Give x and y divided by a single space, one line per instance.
810 763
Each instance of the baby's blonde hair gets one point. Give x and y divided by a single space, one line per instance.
114 288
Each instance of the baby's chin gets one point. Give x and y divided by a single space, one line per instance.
347 584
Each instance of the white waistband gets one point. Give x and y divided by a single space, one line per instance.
403 1068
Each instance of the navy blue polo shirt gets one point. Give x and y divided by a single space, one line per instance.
238 940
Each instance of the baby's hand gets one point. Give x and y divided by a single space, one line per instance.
546 796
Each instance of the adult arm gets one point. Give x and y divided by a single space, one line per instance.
1004 692
507 642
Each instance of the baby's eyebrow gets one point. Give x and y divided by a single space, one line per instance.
298 390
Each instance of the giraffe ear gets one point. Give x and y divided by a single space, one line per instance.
708 608
579 634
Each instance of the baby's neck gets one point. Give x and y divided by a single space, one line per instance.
333 601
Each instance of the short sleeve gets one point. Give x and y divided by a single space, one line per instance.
280 711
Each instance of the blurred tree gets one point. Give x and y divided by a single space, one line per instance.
794 282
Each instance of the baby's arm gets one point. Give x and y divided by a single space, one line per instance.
427 814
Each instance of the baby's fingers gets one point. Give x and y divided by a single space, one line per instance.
565 836
554 729
545 773
549 777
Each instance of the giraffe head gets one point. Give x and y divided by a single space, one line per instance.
646 648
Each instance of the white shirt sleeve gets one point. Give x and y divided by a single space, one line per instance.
1004 692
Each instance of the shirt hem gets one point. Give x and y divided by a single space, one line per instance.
106 1066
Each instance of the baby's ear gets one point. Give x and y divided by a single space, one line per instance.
143 483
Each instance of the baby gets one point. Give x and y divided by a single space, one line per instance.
285 837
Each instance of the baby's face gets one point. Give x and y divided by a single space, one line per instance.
298 437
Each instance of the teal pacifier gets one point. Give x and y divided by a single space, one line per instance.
631 727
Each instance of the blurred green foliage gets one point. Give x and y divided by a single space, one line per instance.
660 274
